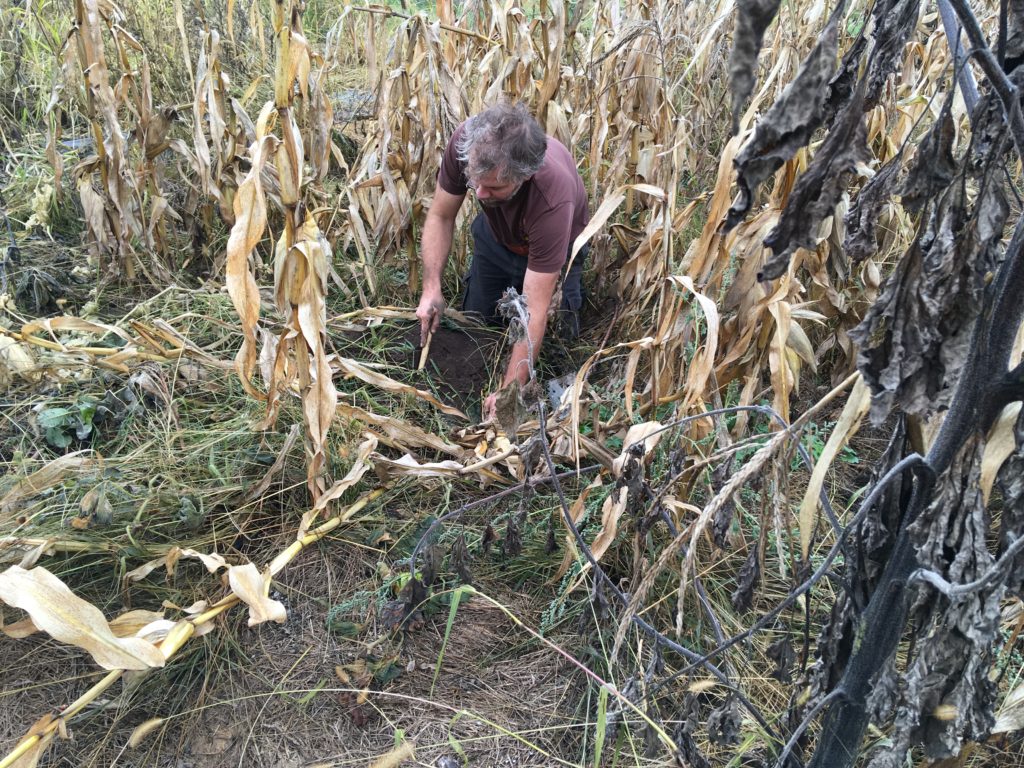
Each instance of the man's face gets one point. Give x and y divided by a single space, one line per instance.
492 191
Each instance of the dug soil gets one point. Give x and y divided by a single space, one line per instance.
459 362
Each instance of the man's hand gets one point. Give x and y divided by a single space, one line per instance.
489 410
429 313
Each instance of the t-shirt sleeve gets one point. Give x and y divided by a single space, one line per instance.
549 239
450 176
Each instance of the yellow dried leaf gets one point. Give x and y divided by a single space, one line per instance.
647 435
353 476
611 511
999 444
250 209
395 757
253 588
31 748
16 361
143 730
59 612
355 369
388 469
129 623
849 421
19 629
1010 716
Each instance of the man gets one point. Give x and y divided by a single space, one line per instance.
533 206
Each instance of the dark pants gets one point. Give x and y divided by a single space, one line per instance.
495 268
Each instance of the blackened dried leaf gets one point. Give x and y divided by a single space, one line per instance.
722 520
948 696
687 745
861 220
598 600
1014 34
752 19
843 84
489 537
724 723
460 559
551 544
882 697
894 21
934 165
914 339
818 189
1011 521
432 562
513 538
789 122
747 580
782 653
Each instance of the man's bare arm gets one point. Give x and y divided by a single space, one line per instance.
538 288
435 244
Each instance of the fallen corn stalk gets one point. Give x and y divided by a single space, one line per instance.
43 731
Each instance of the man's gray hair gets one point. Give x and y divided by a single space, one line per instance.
503 138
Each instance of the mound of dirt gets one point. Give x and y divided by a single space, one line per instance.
459 361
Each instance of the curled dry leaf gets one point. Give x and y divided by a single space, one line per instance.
143 730
253 588
642 438
213 562
129 623
59 612
819 188
16 362
849 422
353 476
388 469
398 433
752 19
355 369
789 123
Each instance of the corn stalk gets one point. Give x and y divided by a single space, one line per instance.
301 254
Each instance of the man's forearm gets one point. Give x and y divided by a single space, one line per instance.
520 362
435 243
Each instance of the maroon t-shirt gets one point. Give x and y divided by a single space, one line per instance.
543 218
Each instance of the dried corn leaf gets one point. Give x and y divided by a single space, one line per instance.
398 433
388 469
640 440
19 629
170 560
846 427
611 512
43 479
129 624
354 369
999 446
63 615
253 588
16 362
250 210
41 733
353 476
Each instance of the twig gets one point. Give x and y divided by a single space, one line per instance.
425 351
986 579
396 15
657 636
913 460
808 718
